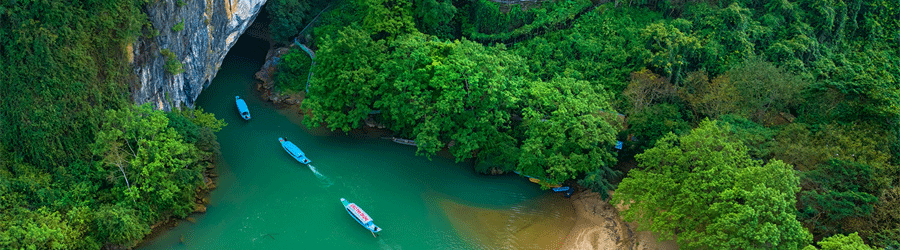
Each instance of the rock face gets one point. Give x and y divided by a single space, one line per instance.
199 34
266 75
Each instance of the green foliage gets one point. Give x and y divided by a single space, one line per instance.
151 32
196 127
844 242
293 71
709 98
344 89
460 94
804 82
288 17
883 227
178 26
647 88
436 17
654 122
835 191
602 47
180 3
705 188
601 181
91 205
862 143
727 35
566 133
765 91
487 21
670 48
760 140
38 229
388 18
63 73
173 65
120 225
139 142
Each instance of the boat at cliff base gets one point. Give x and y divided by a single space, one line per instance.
242 108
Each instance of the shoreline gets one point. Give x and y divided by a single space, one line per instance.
201 199
597 223
599 226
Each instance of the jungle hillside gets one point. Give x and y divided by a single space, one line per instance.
745 124
80 166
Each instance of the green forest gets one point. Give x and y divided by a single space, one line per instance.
80 166
746 124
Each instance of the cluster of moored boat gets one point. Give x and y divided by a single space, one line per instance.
354 210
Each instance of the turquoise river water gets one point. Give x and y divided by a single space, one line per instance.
267 200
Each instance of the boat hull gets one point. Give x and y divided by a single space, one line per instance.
360 216
242 108
294 151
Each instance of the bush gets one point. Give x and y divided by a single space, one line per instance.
173 66
179 26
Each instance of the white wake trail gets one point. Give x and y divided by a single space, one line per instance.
325 181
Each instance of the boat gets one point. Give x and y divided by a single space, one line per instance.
360 216
404 141
242 107
294 151
566 189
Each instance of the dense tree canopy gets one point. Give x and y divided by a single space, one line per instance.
70 137
705 188
796 84
567 130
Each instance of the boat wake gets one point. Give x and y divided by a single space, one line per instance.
385 246
325 181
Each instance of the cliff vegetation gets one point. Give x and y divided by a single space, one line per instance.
80 166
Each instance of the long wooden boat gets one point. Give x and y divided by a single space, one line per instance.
242 107
404 141
360 216
294 151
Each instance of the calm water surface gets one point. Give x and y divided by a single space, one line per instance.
267 200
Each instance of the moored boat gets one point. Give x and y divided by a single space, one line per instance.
242 107
360 216
404 141
294 151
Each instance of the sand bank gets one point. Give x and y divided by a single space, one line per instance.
598 226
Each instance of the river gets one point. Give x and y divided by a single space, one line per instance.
267 200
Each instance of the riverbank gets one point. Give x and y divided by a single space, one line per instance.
599 226
201 200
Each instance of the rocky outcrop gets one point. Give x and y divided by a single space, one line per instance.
196 34
266 75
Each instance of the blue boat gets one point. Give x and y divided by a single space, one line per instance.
568 190
360 216
242 107
294 151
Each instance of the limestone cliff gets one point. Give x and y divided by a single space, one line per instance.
198 33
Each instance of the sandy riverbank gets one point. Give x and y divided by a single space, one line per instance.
598 226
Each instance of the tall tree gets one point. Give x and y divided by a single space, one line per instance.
436 17
388 18
705 188
344 87
842 242
569 129
460 93
161 169
288 17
